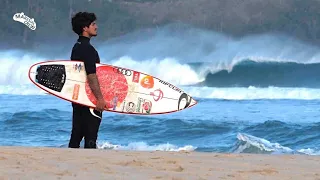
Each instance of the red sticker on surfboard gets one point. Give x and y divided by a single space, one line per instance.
135 77
113 85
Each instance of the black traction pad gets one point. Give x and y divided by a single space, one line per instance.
51 76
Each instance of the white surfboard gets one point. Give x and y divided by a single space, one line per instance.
125 90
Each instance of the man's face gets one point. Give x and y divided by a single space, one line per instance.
92 29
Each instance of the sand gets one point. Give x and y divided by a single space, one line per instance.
65 163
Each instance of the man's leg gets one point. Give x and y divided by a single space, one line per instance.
92 129
77 132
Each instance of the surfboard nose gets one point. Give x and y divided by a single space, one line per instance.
193 102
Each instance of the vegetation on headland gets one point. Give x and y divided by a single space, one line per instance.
300 19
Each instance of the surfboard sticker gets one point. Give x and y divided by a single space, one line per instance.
125 90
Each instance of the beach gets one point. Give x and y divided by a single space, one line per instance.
252 66
64 163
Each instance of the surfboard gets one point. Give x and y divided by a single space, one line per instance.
125 90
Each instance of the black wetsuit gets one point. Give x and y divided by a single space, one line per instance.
84 124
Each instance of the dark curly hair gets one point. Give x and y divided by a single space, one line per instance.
81 20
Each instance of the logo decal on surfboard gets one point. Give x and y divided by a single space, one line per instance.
78 67
123 71
115 103
147 105
157 94
130 107
147 82
75 94
143 106
171 86
135 77
184 101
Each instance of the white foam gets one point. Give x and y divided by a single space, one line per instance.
193 45
262 144
309 151
142 146
21 90
254 93
15 66
167 69
165 53
272 147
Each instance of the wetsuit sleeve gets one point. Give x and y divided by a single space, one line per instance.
89 59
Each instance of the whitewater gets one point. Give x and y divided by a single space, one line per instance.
190 57
257 94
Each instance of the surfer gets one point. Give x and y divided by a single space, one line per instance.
84 124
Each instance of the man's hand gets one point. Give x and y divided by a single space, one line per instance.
101 104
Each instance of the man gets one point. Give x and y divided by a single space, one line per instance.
85 123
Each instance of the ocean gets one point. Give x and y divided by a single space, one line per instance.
257 94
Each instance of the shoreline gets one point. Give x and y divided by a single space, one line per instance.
65 163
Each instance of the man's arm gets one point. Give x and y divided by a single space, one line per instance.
95 86
89 58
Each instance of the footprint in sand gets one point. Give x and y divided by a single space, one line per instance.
262 171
